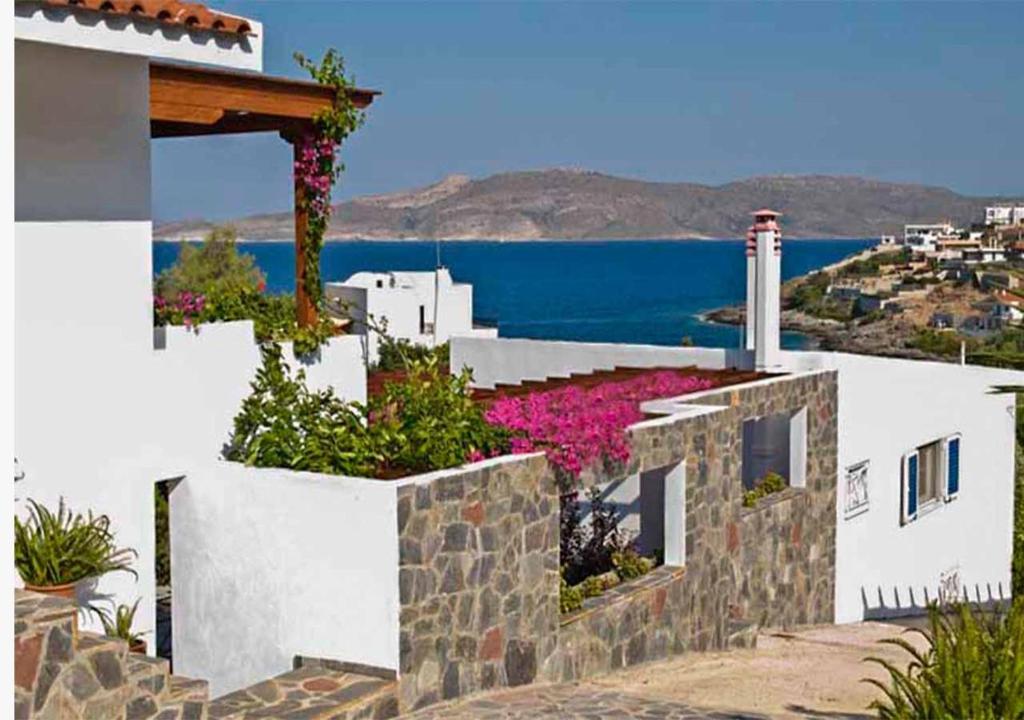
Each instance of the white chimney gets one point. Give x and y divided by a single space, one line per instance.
764 278
748 335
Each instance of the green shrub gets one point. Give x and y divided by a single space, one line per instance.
214 268
570 598
399 354
430 421
284 424
593 586
62 547
629 564
771 483
426 422
972 667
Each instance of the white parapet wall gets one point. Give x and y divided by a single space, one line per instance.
887 408
269 564
510 361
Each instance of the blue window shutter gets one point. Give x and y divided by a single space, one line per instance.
952 467
910 488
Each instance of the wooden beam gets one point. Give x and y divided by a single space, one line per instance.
200 96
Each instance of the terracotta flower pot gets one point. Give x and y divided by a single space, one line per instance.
67 590
139 646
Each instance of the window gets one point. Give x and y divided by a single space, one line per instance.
423 320
931 474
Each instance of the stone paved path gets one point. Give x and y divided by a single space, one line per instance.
580 701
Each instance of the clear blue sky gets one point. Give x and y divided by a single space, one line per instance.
918 92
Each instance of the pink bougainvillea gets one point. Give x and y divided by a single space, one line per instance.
577 427
186 310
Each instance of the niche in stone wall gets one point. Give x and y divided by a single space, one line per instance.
651 508
775 443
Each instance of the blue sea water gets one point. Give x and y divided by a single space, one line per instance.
638 291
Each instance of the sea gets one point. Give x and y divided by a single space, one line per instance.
638 291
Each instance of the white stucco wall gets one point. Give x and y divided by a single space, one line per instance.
136 36
83 314
511 360
270 564
887 407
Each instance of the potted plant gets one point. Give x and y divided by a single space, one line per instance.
119 625
54 551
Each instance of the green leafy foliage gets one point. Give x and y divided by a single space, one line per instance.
162 513
629 564
64 547
282 423
231 287
771 483
214 269
320 168
118 624
427 422
570 598
398 354
972 667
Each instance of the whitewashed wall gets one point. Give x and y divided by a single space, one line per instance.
507 360
83 313
270 564
886 408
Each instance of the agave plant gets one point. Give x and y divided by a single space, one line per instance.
972 667
64 547
119 623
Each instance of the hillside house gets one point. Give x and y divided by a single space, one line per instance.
425 308
898 474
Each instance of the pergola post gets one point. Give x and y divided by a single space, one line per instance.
305 306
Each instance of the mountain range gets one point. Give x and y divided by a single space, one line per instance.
586 205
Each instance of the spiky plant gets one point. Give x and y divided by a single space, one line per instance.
119 623
972 667
64 547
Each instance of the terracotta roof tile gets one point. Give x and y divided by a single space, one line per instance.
170 12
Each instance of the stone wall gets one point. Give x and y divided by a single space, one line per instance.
773 564
479 557
478 579
61 674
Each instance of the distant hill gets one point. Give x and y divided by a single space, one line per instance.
578 204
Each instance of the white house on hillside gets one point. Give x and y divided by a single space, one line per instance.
924 237
425 308
1004 215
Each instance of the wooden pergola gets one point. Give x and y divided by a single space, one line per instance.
192 101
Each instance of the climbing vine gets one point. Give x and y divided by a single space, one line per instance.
318 169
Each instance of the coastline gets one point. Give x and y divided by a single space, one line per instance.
499 241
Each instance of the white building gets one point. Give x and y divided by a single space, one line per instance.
924 237
271 564
425 308
102 412
1004 215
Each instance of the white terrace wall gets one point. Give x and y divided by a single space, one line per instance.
270 564
505 360
888 407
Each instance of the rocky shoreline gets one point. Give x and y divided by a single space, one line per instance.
888 339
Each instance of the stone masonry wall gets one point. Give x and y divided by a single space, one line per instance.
479 558
478 580
768 565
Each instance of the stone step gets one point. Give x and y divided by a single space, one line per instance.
312 692
148 675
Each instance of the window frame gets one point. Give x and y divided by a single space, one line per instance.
911 468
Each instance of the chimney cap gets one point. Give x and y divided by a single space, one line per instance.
766 211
